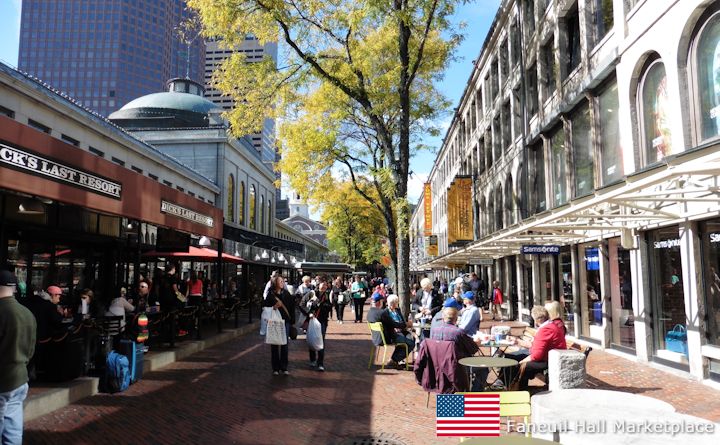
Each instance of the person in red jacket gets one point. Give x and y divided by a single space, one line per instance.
549 336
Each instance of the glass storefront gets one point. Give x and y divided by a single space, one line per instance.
566 292
710 236
666 288
621 293
591 291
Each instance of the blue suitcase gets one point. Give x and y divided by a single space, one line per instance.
597 312
134 353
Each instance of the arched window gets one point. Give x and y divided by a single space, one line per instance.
241 203
253 209
706 55
491 214
230 199
509 202
655 139
499 223
262 213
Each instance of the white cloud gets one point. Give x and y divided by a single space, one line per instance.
415 186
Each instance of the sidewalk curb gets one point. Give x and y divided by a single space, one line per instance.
70 392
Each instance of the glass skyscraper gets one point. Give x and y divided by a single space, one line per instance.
105 53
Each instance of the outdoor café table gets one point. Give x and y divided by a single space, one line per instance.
506 440
496 347
420 328
491 363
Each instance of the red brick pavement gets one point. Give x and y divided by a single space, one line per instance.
227 394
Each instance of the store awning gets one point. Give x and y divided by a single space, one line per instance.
201 254
683 187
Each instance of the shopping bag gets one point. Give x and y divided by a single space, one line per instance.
314 335
276 334
266 313
676 340
300 320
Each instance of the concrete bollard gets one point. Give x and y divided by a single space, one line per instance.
566 369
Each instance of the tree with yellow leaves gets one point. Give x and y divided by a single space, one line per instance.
352 91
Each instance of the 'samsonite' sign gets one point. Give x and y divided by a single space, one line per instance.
38 165
540 250
182 212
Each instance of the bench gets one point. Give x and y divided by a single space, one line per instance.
529 334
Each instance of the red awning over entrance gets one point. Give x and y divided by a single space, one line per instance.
202 254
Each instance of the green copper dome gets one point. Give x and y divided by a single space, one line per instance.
172 101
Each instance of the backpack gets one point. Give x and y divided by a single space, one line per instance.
117 373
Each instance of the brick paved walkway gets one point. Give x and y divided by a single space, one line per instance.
227 394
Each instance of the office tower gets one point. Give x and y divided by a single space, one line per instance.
215 54
104 53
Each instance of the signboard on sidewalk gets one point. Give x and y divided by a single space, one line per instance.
540 250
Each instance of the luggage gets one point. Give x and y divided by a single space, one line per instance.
117 373
134 353
597 312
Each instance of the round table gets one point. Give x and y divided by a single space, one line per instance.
491 363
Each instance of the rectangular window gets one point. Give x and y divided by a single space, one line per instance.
153 177
710 236
118 161
488 148
547 52
603 18
96 152
572 36
7 112
610 150
504 63
167 183
497 138
137 169
38 126
495 81
582 151
180 188
506 127
529 17
666 282
481 156
70 140
532 91
558 160
538 200
517 112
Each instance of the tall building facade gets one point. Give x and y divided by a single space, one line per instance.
264 141
104 53
590 139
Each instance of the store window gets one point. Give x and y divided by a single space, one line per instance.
558 160
610 150
592 286
707 73
621 295
566 293
253 208
241 203
710 233
656 114
231 198
582 151
666 277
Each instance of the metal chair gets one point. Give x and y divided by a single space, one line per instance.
378 327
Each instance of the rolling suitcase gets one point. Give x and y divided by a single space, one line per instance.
130 349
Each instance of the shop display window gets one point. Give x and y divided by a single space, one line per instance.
610 150
666 277
710 233
593 286
707 68
566 293
656 114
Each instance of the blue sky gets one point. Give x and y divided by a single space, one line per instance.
477 15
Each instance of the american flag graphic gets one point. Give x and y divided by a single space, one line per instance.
468 415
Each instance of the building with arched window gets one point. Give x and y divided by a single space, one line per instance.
591 132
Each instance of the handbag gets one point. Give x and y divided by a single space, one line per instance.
266 314
276 334
676 340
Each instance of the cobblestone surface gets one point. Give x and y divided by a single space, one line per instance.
228 394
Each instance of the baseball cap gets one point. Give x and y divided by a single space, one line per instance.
7 278
469 295
377 296
451 302
54 290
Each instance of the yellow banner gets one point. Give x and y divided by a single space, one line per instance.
428 209
432 245
464 209
451 220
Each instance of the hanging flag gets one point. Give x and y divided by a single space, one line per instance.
468 415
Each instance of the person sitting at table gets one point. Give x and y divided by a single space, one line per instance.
555 311
394 327
549 336
120 306
428 301
470 315
87 308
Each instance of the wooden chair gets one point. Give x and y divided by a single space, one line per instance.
513 404
378 327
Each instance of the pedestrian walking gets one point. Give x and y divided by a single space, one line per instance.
319 306
338 293
17 345
359 289
279 298
496 301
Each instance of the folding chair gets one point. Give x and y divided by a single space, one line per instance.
378 327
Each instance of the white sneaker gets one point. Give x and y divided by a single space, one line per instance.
321 368
286 372
276 373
